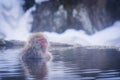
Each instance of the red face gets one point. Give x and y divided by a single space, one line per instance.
43 42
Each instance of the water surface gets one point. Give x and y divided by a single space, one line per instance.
69 64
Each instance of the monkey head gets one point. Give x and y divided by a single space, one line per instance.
38 41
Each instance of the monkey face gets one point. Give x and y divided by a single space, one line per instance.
39 42
43 42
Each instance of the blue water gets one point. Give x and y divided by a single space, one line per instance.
69 64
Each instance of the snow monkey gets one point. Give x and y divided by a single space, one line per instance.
36 47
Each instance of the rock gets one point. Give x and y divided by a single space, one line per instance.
60 15
14 43
11 43
2 42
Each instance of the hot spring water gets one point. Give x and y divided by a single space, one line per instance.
69 64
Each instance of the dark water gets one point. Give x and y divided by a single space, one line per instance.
72 64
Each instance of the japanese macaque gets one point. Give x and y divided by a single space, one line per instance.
36 48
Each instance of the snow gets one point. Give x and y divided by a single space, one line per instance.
108 36
39 1
70 36
10 13
23 28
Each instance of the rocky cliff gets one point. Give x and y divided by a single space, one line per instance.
89 15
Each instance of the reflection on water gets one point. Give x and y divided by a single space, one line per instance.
35 69
72 64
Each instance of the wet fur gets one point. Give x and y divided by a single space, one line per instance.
33 50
